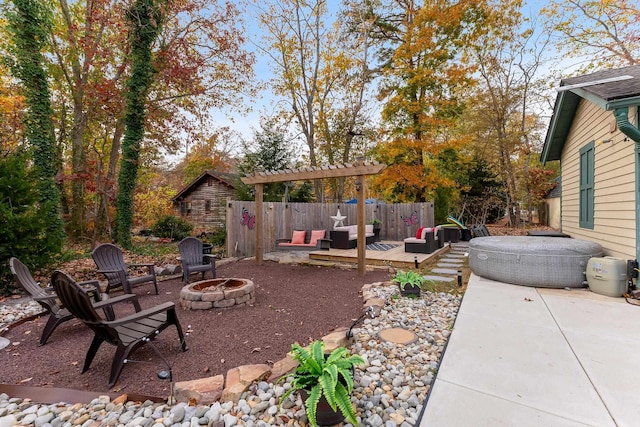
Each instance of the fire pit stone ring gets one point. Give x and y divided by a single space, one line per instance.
217 293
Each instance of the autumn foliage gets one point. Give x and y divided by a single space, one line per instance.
199 64
428 88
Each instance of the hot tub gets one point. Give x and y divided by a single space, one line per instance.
546 262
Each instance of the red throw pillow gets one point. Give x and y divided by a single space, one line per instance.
298 237
315 235
419 232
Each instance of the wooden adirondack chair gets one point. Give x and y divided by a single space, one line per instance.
126 333
47 298
193 260
110 262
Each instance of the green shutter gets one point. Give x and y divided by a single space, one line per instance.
587 178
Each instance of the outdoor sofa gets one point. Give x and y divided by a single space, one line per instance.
305 240
346 236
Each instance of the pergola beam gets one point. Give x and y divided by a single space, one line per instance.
359 169
304 174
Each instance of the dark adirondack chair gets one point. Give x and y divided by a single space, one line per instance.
110 262
47 298
127 333
193 260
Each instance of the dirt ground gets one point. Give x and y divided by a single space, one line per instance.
293 304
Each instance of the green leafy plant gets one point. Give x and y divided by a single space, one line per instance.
376 221
172 227
409 277
216 237
329 376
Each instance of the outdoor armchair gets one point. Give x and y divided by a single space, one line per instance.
46 297
426 241
194 260
126 334
110 262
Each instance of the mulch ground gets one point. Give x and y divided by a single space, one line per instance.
293 304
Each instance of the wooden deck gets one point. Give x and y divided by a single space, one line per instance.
395 257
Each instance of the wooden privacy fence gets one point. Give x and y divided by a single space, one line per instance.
399 220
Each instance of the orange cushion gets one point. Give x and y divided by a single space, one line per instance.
315 235
419 233
298 237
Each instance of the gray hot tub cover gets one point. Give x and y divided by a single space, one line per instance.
547 262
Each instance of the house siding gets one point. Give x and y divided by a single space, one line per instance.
614 184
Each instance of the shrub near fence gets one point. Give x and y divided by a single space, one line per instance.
399 221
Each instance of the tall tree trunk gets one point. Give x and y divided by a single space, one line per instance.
77 225
106 187
59 161
76 74
29 24
145 18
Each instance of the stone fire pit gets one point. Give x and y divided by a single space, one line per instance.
217 293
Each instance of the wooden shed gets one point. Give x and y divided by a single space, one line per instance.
202 202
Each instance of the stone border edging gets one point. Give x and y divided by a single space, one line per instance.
205 391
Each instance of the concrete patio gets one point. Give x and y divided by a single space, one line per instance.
521 356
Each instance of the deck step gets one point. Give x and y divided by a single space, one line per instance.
452 260
449 265
439 278
445 271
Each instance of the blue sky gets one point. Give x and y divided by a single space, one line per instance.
265 101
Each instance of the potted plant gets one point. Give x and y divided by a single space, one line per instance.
409 282
377 226
325 381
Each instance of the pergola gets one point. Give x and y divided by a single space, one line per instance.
359 169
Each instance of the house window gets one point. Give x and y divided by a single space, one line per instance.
587 174
207 205
185 208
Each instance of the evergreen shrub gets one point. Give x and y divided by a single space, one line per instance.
23 231
217 237
172 227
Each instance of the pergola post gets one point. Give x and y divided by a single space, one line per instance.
362 243
360 170
259 219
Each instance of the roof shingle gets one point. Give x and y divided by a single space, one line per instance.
612 90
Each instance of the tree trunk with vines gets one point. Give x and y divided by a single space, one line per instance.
144 17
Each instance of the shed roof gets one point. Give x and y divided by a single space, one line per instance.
609 89
224 178
555 191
